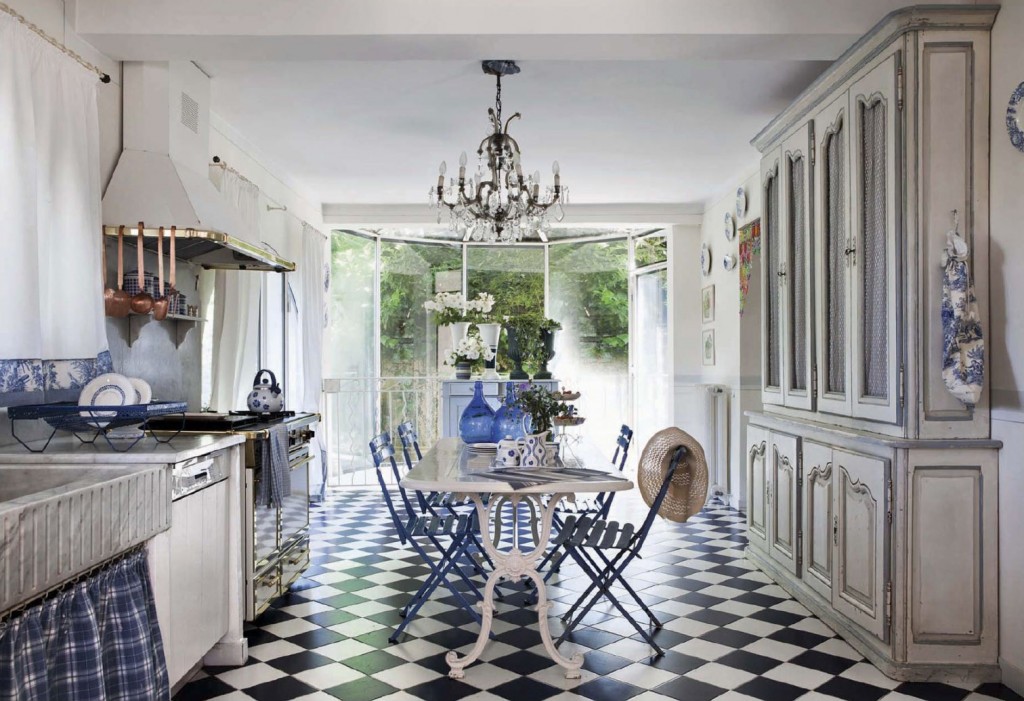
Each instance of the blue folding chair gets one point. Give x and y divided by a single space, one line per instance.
418 523
598 535
598 507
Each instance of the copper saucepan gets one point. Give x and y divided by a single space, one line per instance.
162 302
142 302
121 302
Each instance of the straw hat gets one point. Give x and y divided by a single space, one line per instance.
689 487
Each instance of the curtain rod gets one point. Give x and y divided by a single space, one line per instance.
218 162
104 78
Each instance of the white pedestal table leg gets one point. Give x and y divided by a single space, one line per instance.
515 565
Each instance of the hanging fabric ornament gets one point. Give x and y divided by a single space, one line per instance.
963 363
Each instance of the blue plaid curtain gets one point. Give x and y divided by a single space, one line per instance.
96 641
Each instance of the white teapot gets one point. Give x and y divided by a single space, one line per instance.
266 395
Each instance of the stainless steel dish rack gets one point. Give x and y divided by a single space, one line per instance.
88 423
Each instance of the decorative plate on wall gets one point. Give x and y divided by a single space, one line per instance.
730 227
729 261
1014 123
741 202
705 259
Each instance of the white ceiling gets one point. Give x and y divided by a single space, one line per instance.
641 101
632 131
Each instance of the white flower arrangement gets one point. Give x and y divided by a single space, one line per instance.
469 349
452 307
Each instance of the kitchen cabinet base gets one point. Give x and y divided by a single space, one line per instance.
228 653
873 649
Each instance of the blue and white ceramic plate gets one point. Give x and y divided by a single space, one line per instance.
741 202
483 447
730 227
1014 119
143 392
705 259
110 389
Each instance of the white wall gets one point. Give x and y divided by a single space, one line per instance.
737 339
1006 336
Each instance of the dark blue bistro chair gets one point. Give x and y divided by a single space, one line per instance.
444 500
597 535
420 524
599 506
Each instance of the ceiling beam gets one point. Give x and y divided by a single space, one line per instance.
459 29
612 214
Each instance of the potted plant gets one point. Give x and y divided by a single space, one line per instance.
521 332
468 351
455 311
546 349
540 405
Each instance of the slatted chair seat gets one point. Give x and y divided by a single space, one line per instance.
451 525
595 533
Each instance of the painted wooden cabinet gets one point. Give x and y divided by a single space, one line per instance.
190 578
873 492
457 394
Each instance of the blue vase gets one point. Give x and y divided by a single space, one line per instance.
508 420
477 418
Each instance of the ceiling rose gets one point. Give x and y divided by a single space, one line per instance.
498 204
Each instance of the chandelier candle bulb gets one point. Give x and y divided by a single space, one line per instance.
462 167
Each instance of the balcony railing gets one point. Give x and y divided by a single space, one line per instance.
357 408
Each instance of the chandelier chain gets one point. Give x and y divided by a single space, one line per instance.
497 99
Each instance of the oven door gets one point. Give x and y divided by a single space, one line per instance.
295 508
264 525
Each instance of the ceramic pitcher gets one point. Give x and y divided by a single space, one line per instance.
534 450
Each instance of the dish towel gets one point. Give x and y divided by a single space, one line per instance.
963 362
272 457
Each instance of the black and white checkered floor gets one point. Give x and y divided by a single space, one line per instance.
729 632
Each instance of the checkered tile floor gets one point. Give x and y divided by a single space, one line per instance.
729 632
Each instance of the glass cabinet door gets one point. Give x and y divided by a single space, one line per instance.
872 257
832 243
795 277
772 267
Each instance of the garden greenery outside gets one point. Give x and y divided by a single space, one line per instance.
589 296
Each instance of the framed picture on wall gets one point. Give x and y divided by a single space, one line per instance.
707 304
708 346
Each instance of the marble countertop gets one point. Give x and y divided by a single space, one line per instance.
68 450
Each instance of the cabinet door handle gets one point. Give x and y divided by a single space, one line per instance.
851 252
835 530
781 273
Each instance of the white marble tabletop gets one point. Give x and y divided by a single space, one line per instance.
68 450
452 466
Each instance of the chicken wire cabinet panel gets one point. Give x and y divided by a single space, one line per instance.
873 491
870 163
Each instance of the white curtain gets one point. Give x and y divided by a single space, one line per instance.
310 284
54 338
237 304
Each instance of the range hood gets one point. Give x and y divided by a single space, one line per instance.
161 177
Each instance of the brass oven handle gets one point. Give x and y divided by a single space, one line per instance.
300 463
273 583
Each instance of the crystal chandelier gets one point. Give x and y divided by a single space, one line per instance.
498 204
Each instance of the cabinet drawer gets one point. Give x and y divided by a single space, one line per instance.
266 588
294 562
459 389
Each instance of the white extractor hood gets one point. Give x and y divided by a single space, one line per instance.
161 177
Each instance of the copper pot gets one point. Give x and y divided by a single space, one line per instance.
120 302
142 302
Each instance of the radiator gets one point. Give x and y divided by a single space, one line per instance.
717 448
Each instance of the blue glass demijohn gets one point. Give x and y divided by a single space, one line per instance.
508 420
477 418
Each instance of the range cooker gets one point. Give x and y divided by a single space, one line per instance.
276 539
